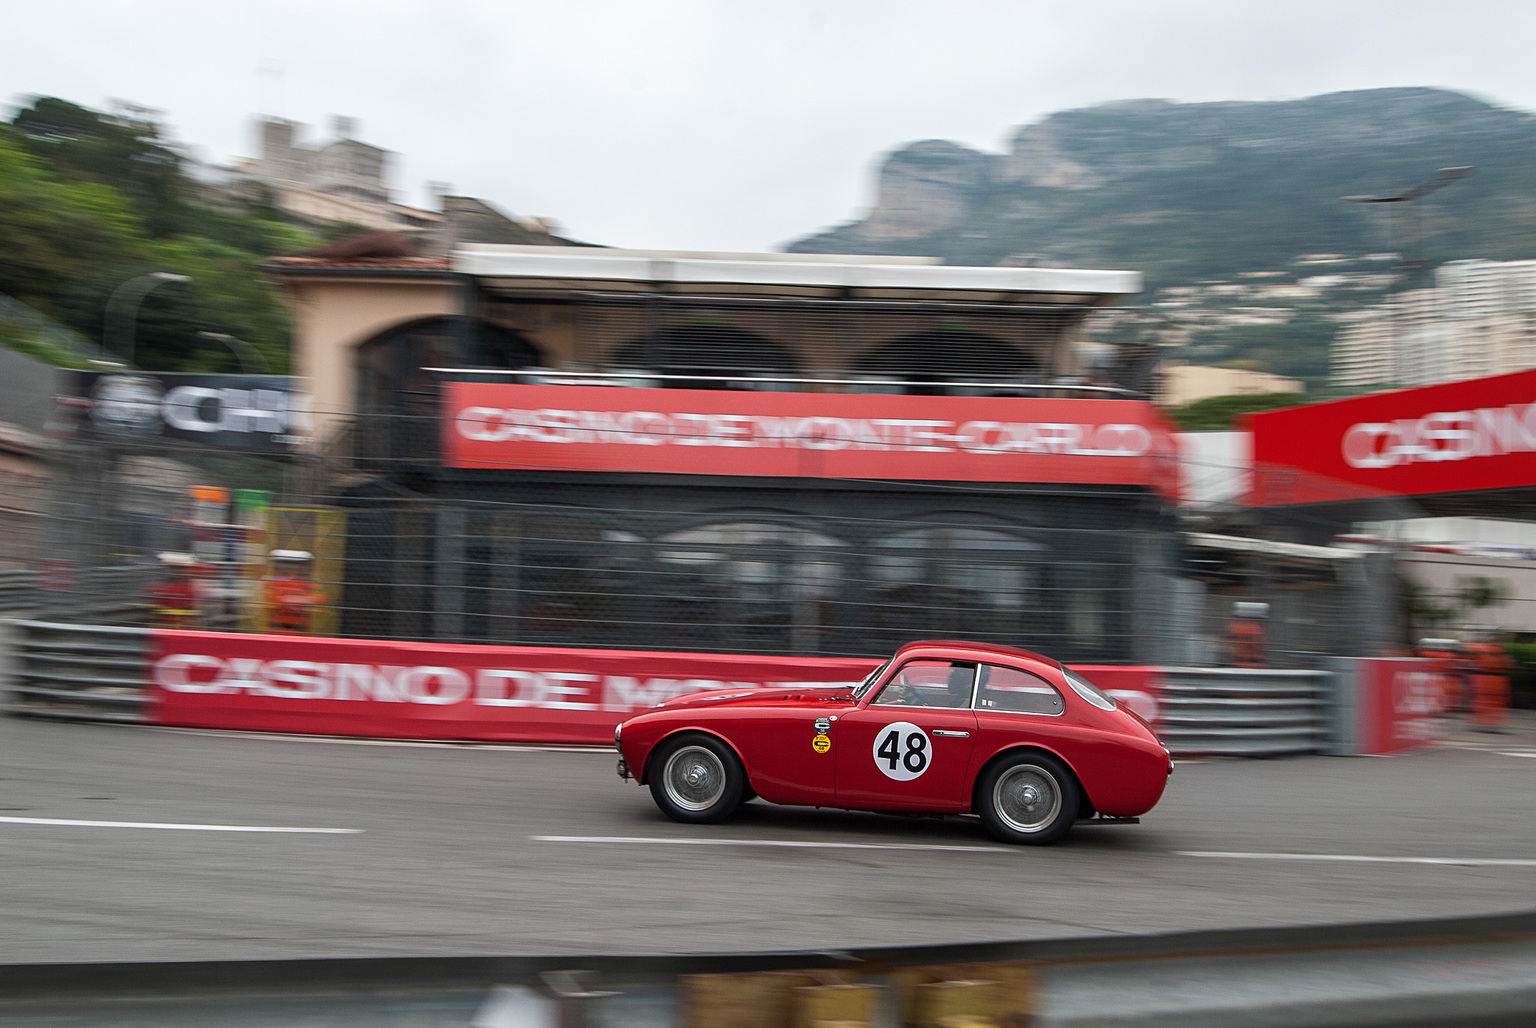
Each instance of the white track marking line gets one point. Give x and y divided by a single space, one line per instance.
1512 753
72 823
1347 858
767 843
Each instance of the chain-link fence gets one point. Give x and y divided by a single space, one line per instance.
352 541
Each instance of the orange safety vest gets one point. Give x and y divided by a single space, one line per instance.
289 601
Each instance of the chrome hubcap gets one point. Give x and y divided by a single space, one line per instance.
694 777
1027 798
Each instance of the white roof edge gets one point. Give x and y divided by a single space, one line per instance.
494 260
1247 545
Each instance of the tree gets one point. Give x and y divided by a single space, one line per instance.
1220 413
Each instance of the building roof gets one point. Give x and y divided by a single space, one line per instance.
865 275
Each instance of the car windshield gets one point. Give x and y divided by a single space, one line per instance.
869 680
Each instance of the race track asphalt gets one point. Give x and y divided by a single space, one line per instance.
449 852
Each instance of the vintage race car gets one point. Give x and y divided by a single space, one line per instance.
941 727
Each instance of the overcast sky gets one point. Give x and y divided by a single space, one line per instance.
728 125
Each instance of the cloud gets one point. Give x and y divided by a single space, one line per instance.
691 124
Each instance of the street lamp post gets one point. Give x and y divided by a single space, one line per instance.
243 350
1409 267
1442 178
132 297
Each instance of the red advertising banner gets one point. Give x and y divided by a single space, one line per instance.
1398 704
404 690
489 425
1456 437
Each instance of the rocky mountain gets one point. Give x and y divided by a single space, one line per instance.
1191 191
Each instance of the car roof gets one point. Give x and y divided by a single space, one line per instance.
972 650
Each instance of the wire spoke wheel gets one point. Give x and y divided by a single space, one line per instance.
1027 798
694 778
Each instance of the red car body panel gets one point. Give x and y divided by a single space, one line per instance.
1117 759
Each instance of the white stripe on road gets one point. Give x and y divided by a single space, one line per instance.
1349 858
72 823
639 840
1505 753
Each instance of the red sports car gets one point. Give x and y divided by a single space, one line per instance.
941 727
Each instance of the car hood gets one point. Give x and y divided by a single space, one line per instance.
774 696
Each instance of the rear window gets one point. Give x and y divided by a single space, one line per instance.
1019 692
1088 691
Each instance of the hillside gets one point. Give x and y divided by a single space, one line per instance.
1187 192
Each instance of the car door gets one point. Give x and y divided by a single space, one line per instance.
1013 706
908 747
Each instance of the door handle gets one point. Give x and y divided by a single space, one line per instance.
952 735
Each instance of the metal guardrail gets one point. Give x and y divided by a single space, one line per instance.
1254 712
78 672
18 592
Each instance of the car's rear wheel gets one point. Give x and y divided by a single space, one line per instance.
697 779
1028 798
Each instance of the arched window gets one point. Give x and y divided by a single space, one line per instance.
953 580
704 349
748 585
936 358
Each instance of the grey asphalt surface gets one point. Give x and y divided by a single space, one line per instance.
445 859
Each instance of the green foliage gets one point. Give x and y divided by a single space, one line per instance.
1522 678
121 151
89 201
1220 413
17 336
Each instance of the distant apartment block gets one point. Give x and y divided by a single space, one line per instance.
1479 319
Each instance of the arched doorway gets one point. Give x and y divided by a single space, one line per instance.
397 400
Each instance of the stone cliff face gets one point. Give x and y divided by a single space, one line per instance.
1088 185
925 187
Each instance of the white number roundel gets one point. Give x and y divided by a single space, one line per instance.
902 751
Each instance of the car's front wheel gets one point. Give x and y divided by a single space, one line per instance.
697 779
1029 798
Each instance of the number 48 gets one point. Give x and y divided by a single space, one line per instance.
914 759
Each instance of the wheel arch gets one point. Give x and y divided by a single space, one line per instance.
650 756
1084 799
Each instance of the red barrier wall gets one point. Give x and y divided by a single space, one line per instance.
315 686
405 690
1398 704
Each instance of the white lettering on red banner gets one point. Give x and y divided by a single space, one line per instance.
1442 436
489 425
431 685
652 428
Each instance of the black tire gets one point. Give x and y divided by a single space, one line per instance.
696 779
1027 798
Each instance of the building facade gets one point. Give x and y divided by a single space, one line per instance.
740 453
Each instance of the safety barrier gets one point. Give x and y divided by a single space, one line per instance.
79 672
323 686
1459 971
1256 712
18 592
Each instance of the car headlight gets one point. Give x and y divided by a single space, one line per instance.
618 734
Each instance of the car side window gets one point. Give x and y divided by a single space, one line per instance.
1015 691
929 683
